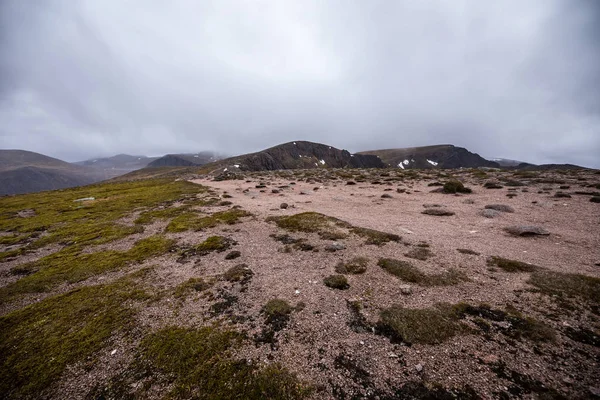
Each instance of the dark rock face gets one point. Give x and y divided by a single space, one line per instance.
305 155
184 160
440 156
171 160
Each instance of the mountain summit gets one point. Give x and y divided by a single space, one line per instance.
302 154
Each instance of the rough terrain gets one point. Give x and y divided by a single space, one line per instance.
332 283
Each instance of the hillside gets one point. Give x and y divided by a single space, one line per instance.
26 172
428 157
185 160
300 155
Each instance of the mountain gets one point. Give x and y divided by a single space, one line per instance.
299 155
25 172
427 157
117 165
185 160
505 162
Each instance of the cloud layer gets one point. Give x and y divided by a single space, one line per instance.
514 79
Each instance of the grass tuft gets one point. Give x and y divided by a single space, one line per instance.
409 273
71 265
567 285
425 326
511 265
357 265
39 341
336 282
199 365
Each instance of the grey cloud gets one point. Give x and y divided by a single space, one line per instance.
511 79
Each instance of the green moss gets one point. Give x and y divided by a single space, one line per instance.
214 243
409 273
336 282
330 228
567 285
454 186
426 326
511 265
192 221
358 265
276 308
419 253
375 237
71 265
39 341
91 222
518 327
192 285
199 365
239 273
326 227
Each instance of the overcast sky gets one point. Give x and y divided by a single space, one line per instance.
515 79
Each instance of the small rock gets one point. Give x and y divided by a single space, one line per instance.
386 196
468 201
500 207
112 353
275 191
405 289
594 391
335 246
438 212
419 368
490 359
30 212
304 192
526 230
283 206
233 255
490 213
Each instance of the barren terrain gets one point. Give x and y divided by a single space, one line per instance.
305 284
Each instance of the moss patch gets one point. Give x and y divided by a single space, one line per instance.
409 273
239 273
199 365
90 222
39 341
194 221
455 186
426 326
357 265
419 253
511 265
330 228
567 285
312 222
71 265
375 237
336 282
214 243
192 285
516 325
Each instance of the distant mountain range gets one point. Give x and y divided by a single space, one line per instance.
24 171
